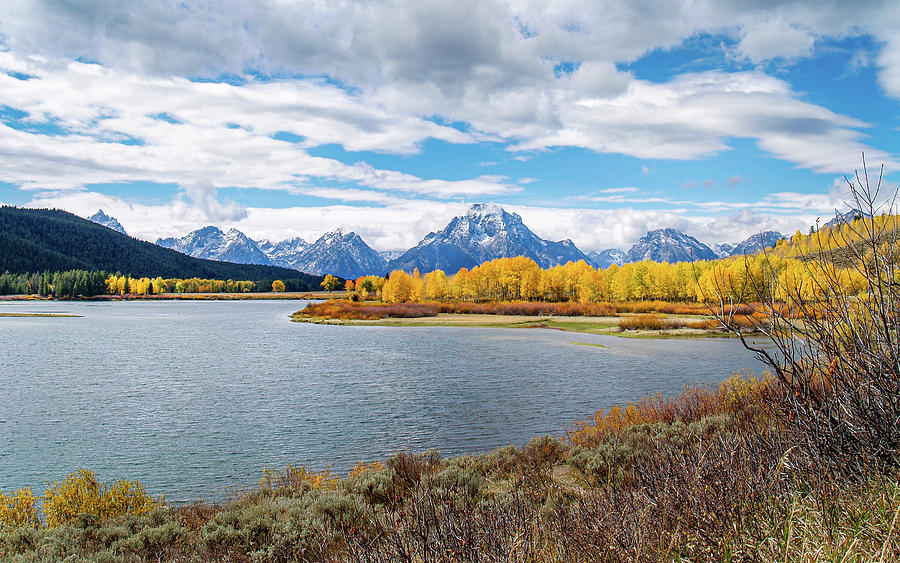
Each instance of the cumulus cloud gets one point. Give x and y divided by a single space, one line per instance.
774 38
488 63
204 197
216 132
282 78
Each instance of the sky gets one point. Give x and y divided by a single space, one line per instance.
594 121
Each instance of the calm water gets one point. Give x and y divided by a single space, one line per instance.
193 397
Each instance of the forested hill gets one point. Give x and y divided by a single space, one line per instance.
34 240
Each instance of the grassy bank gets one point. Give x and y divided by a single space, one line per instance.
638 319
706 476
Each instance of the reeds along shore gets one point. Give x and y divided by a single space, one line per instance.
709 475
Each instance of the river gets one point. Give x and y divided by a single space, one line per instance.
196 397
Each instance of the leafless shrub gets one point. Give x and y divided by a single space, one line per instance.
833 338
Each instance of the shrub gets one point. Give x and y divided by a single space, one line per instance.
650 321
833 346
293 479
80 494
457 480
375 484
409 469
18 509
743 397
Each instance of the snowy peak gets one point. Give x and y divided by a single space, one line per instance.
212 244
756 243
605 258
342 254
669 245
484 233
482 212
723 250
102 218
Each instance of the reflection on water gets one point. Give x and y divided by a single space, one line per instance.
192 397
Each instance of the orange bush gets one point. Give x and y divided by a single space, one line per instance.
742 396
650 321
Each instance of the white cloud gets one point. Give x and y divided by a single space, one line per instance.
694 114
775 38
387 77
204 145
204 197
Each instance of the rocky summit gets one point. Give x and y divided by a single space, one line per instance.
342 254
669 245
102 218
213 244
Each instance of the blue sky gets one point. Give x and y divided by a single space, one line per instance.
593 121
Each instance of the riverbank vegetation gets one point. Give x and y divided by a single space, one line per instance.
628 319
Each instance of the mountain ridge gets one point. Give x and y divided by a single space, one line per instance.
484 233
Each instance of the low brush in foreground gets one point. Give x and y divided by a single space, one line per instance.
709 475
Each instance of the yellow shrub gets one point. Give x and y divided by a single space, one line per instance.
126 497
81 493
18 509
292 477
360 468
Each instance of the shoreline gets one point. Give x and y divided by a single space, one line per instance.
608 326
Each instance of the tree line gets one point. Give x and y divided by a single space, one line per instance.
88 283
786 269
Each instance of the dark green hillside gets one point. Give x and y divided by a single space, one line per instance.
33 240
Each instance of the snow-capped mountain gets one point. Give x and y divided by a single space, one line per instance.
723 250
102 218
211 243
389 255
342 254
285 253
669 245
485 232
848 217
605 258
756 243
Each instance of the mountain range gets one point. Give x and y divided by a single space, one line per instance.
483 233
